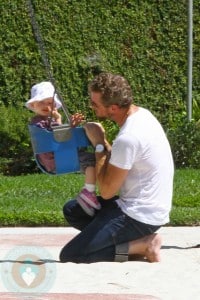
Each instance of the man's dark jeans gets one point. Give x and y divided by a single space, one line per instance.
100 234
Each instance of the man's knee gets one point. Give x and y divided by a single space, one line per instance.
68 209
75 216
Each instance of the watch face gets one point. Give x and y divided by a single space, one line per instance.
99 148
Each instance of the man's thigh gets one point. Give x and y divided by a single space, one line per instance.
118 228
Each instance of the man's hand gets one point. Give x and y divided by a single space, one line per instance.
96 133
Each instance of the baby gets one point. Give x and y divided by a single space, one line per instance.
44 103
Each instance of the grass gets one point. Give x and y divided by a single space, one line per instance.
37 200
186 199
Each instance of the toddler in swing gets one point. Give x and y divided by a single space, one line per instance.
45 103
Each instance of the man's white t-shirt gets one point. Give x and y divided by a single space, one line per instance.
141 147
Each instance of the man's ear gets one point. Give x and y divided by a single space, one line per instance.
114 107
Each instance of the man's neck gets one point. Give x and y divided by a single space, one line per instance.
125 113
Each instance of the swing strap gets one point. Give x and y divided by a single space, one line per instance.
41 46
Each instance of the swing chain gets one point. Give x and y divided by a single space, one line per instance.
41 46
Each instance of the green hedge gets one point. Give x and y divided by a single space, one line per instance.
146 41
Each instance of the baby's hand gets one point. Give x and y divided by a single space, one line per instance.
77 119
57 116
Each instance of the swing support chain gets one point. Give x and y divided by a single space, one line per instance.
41 46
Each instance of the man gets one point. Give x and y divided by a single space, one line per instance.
138 168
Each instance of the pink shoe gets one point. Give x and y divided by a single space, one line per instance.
85 206
90 198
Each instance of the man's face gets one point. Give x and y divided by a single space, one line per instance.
101 111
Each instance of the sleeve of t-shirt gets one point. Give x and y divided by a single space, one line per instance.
123 153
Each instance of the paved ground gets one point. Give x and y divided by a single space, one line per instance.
30 269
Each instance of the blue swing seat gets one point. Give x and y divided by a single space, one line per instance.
63 141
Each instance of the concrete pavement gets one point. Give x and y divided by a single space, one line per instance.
30 268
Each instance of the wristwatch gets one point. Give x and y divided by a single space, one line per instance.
99 148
